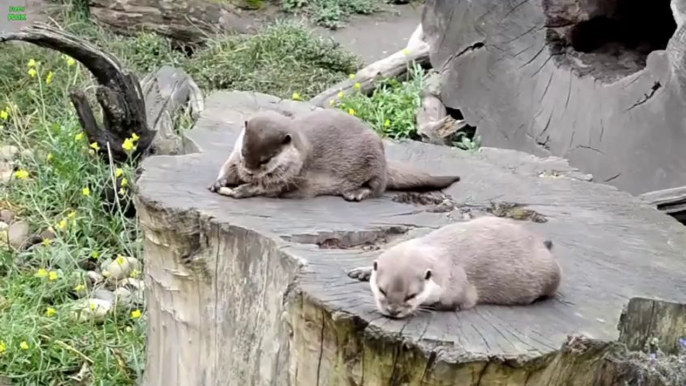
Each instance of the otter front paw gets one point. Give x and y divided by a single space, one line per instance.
360 273
241 191
357 194
215 186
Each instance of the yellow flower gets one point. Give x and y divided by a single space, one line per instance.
351 76
42 272
135 137
135 314
4 115
47 242
357 86
122 192
63 224
331 102
387 123
70 62
48 79
32 72
3 346
95 146
106 273
71 215
406 51
95 254
86 191
21 174
52 276
124 182
32 63
78 136
121 259
92 305
351 111
49 156
50 311
340 94
135 273
24 345
79 288
128 144
296 96
118 172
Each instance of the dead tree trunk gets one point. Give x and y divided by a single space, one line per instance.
118 92
256 289
598 82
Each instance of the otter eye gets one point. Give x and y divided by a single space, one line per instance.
382 292
410 297
286 139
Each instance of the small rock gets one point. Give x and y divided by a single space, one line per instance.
7 152
3 226
123 296
6 216
94 277
91 309
103 294
6 171
18 234
121 268
47 234
133 283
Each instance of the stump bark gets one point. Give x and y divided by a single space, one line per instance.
598 82
255 291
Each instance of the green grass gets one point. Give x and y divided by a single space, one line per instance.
41 347
331 13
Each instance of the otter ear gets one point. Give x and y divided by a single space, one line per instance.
375 266
428 274
287 139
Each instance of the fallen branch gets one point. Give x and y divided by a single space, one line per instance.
395 65
118 91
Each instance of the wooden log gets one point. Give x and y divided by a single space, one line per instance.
397 64
671 201
257 288
118 91
595 82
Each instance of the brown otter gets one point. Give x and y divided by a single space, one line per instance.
325 152
485 260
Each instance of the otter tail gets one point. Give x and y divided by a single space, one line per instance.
403 177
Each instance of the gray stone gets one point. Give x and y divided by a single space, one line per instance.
103 294
6 171
6 216
614 113
18 234
261 283
7 152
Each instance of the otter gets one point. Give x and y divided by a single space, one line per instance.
488 260
324 152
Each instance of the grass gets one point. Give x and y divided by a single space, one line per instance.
39 342
391 109
330 13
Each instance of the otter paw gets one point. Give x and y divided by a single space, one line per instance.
224 191
357 194
215 186
360 273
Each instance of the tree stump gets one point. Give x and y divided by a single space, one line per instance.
255 291
598 82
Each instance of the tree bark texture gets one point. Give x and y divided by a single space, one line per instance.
597 82
255 291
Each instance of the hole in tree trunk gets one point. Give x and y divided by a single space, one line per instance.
608 39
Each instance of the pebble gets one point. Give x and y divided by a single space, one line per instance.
6 171
103 294
120 269
86 310
7 152
123 296
6 216
94 277
18 233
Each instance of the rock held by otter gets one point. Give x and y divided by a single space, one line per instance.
486 260
325 152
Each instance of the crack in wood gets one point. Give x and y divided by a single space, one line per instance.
647 96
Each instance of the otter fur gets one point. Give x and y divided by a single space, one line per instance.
324 152
488 260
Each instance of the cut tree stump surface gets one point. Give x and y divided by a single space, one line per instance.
245 287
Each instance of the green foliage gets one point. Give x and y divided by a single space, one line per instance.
330 13
283 59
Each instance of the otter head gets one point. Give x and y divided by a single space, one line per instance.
269 150
401 281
